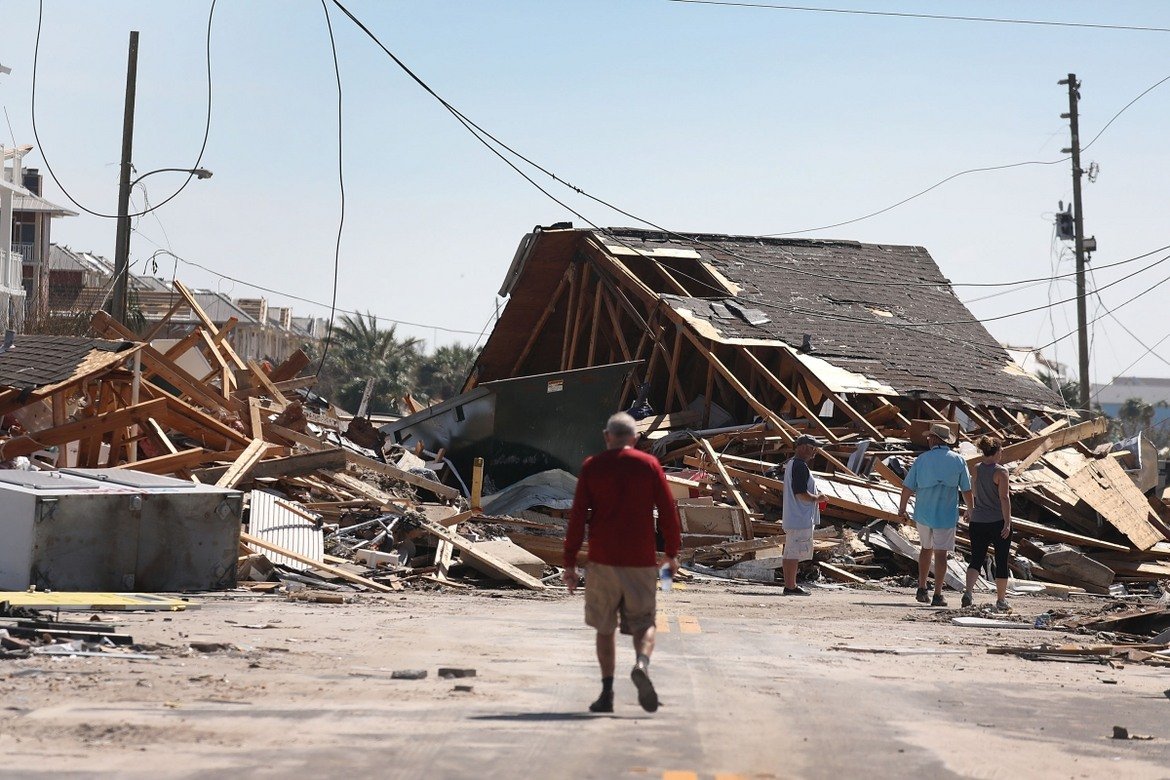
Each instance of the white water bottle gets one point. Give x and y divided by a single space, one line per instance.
665 577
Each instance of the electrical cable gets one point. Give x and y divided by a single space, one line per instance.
483 136
1157 344
45 156
341 186
932 17
1143 293
291 296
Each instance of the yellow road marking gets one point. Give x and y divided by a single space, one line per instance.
662 623
688 624
677 775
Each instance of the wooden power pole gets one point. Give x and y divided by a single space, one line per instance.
1074 149
122 242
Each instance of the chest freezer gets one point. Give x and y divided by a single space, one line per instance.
116 530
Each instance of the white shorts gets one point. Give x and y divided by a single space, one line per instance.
798 544
936 538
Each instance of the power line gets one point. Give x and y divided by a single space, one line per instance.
954 176
483 136
932 17
45 156
1144 292
341 187
291 296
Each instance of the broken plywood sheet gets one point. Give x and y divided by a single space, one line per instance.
507 551
1104 486
870 501
703 516
285 524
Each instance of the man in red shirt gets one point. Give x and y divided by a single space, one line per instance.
617 492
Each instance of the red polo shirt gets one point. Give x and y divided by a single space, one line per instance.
617 492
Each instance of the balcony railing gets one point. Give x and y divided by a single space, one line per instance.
10 270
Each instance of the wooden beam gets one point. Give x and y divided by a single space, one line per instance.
783 389
1061 438
596 320
731 489
263 381
578 316
169 463
207 321
672 384
336 572
732 380
838 402
243 464
540 322
577 269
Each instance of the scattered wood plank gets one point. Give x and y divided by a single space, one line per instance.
467 549
333 570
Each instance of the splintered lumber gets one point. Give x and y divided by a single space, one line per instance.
469 552
169 463
333 570
290 466
727 483
887 473
262 381
290 367
1028 528
1078 567
1056 440
840 574
356 486
1103 485
83 429
439 489
239 469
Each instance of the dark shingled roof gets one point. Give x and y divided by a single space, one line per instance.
857 304
36 361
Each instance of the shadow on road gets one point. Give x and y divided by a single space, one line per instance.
550 716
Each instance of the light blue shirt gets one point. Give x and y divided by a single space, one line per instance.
936 478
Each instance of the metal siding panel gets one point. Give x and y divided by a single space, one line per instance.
278 525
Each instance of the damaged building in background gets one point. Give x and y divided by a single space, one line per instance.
843 340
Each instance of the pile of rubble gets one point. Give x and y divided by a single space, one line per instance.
192 409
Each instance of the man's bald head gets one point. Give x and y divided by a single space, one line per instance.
620 431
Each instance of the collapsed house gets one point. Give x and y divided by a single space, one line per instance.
739 344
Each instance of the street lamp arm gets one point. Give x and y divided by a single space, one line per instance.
198 173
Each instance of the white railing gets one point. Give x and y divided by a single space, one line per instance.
11 269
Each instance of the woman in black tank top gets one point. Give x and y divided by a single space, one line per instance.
990 522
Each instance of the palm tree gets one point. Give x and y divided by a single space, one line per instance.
361 350
441 375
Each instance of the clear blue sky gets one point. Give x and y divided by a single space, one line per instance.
717 119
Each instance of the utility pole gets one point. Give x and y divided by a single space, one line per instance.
1074 149
122 243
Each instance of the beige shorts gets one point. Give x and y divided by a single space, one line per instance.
798 544
936 538
625 591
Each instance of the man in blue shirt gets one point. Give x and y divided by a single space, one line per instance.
935 480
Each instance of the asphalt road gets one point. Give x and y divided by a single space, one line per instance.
750 682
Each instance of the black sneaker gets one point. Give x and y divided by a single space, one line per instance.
647 696
797 591
938 601
604 703
968 599
1001 605
922 596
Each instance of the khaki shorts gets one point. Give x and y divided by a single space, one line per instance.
936 538
627 591
798 544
